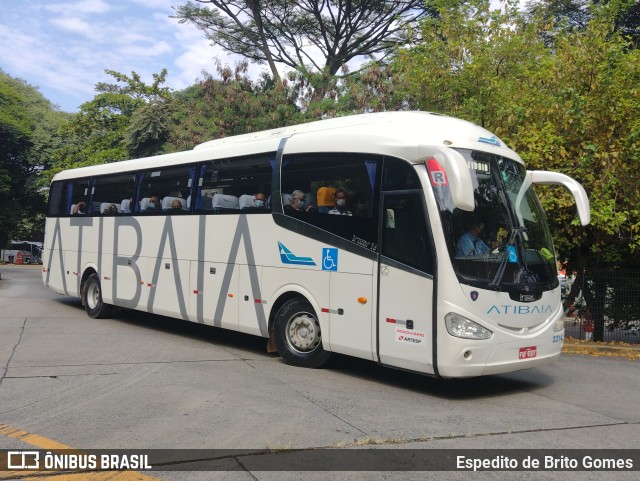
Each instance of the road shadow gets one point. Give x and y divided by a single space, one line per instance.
255 347
452 389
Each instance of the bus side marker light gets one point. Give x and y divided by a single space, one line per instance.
401 322
332 311
229 295
362 300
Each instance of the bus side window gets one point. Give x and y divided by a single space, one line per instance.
77 197
57 202
113 190
169 183
223 183
320 176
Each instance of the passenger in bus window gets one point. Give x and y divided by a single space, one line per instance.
111 209
176 207
260 200
470 243
125 205
298 202
154 204
80 208
360 206
341 204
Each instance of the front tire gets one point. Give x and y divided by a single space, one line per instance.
297 335
93 303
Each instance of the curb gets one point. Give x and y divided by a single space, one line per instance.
631 352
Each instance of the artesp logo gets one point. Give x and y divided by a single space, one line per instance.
410 337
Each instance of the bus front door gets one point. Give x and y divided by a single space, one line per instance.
405 304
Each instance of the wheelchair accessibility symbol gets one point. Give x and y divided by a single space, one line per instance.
329 259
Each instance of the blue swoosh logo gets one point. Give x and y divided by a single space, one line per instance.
288 257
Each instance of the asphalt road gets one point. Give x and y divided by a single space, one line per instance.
140 381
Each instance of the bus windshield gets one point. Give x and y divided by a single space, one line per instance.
505 243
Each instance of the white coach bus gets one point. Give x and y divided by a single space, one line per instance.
441 262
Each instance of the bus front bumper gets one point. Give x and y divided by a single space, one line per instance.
476 360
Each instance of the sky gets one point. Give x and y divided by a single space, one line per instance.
63 47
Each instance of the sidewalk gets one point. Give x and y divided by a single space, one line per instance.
610 349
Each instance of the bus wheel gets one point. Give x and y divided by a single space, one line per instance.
93 303
297 335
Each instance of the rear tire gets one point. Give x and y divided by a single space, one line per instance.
297 335
93 303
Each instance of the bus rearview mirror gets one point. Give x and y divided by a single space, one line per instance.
545 177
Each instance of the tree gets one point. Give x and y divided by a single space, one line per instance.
15 141
572 14
305 35
575 15
28 134
628 22
135 87
96 135
374 88
229 104
125 119
149 129
572 108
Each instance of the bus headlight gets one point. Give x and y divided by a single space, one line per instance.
559 325
459 326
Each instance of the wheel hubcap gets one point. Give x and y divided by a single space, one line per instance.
93 296
303 333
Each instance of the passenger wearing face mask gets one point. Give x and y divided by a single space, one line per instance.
341 204
154 205
298 202
260 200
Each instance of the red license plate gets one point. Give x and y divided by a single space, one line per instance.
528 352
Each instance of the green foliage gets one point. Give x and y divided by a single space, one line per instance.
572 108
96 134
230 104
135 87
15 129
28 126
149 129
126 119
575 15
